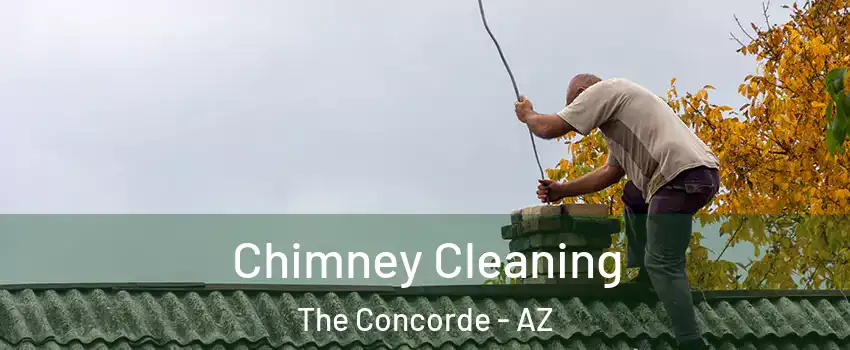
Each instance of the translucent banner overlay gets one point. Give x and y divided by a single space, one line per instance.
206 248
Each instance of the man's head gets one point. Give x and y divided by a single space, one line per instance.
578 84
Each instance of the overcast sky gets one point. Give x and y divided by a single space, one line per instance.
317 106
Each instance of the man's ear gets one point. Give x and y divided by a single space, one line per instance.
570 99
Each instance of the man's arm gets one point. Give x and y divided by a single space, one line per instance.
544 126
597 180
547 126
594 181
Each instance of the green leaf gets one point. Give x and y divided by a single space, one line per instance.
838 126
835 82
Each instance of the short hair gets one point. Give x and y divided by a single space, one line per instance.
586 79
580 81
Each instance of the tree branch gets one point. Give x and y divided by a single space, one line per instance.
731 238
764 7
769 270
742 28
831 278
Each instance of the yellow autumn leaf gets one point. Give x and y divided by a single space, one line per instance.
841 193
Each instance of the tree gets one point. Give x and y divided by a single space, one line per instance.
784 189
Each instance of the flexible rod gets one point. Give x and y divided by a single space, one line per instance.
513 81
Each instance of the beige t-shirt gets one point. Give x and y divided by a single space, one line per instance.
645 136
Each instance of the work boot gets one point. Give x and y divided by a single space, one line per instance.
694 344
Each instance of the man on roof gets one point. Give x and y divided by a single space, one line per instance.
672 174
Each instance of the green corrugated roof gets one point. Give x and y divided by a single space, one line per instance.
181 316
571 344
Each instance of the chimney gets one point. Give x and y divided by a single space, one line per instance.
544 228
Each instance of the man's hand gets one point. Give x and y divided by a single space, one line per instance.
549 191
523 109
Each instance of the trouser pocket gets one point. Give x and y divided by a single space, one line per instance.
694 188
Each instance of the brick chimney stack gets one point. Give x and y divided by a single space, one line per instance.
568 228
